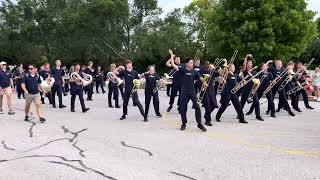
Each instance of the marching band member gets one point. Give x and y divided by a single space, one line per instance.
77 89
226 96
113 89
129 75
45 73
89 70
57 74
282 95
19 74
31 87
176 84
6 87
99 80
209 99
188 92
248 69
303 92
264 83
151 82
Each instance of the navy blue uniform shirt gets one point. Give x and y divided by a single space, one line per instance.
151 81
5 77
57 74
187 80
128 77
32 83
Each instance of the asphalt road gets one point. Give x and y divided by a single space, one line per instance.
97 145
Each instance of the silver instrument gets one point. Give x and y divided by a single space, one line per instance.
114 78
85 81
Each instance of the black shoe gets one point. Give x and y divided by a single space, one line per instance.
169 108
200 126
65 94
273 115
159 115
243 121
110 106
62 106
183 127
248 113
145 119
260 118
103 92
309 107
98 93
208 123
42 120
117 106
218 119
278 110
89 99
123 117
85 110
26 118
297 109
291 113
43 102
54 106
72 110
267 112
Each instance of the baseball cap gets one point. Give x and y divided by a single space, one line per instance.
3 63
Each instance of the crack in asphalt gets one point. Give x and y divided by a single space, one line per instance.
75 134
68 165
124 144
182 175
81 163
31 128
79 149
6 147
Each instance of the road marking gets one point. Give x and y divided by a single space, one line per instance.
235 139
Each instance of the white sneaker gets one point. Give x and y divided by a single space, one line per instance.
318 99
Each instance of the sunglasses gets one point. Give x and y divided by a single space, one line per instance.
30 68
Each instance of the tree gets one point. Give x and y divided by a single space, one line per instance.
268 29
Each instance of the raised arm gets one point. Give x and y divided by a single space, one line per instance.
173 65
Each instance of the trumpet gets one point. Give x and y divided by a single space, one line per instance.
85 81
47 84
275 81
114 78
246 80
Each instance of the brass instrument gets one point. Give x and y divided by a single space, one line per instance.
224 76
207 78
297 88
137 84
85 81
235 53
255 87
114 78
246 80
296 75
47 84
275 81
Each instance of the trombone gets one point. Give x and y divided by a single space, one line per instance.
246 80
276 80
256 84
207 79
225 71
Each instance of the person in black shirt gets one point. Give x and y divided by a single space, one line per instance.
248 69
89 70
209 99
19 74
301 80
151 82
282 95
45 74
267 79
113 89
99 80
188 92
226 96
31 87
58 74
129 75
76 89
6 87
176 84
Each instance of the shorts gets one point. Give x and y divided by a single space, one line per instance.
32 98
6 91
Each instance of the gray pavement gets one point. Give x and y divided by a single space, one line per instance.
97 145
